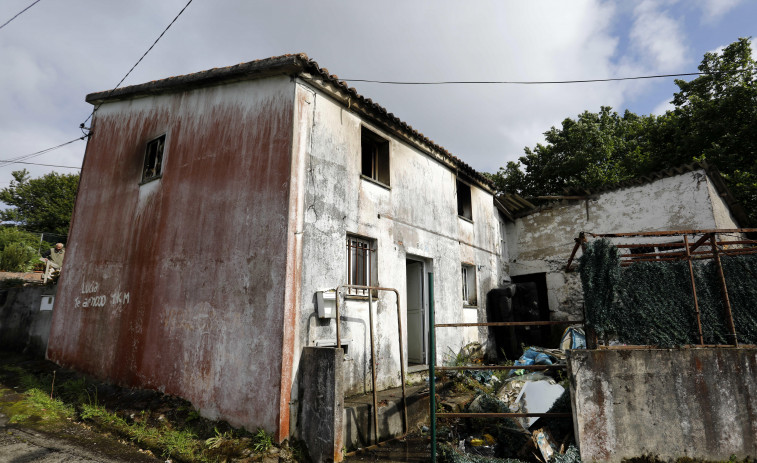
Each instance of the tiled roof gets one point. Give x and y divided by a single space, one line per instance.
293 64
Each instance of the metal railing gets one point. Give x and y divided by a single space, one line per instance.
370 290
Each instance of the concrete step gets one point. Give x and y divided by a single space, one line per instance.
358 417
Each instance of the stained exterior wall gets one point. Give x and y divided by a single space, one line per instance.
179 284
697 403
542 242
415 218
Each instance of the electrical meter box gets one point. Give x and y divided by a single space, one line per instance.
325 302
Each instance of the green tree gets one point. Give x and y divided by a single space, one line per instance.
43 204
715 119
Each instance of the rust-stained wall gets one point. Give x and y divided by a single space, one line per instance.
697 403
542 242
179 284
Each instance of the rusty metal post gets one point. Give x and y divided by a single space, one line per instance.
402 363
338 320
373 368
693 289
724 289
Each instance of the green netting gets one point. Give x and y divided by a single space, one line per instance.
651 303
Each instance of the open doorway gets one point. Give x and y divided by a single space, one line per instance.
416 307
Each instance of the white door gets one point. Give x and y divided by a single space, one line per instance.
415 314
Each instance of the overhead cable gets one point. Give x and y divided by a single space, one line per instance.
40 164
532 82
19 14
138 61
18 159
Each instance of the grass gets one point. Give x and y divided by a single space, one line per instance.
36 395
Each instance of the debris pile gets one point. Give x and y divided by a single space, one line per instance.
488 439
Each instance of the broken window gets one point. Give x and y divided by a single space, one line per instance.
464 208
375 156
361 263
469 284
153 166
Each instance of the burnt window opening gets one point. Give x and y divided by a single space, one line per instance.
375 156
361 264
469 285
464 207
153 166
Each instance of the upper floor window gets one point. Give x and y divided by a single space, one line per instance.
361 263
464 207
375 156
469 284
153 166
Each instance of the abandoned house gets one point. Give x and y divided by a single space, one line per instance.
218 212
222 215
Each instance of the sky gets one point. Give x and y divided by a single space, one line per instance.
58 51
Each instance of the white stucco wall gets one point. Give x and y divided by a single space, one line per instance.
542 242
415 218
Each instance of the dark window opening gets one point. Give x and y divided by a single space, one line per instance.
361 263
375 156
153 166
464 208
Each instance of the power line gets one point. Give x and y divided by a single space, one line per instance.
38 164
19 13
532 82
138 61
17 160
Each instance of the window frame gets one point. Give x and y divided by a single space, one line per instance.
160 143
363 273
469 287
464 195
374 157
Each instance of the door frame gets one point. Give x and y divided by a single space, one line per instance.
426 267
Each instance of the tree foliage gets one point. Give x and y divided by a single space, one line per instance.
714 119
43 204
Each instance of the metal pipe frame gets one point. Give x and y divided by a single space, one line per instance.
370 290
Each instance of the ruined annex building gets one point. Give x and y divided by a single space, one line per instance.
215 209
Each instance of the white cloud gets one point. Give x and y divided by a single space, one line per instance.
663 106
714 10
658 36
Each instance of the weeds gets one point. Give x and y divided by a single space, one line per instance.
262 441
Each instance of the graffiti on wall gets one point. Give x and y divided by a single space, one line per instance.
90 296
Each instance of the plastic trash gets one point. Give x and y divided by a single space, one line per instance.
573 338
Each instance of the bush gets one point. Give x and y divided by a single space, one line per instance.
17 257
19 249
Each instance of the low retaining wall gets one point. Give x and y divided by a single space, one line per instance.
25 316
697 402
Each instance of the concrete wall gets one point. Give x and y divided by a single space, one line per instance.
416 217
698 403
179 284
25 315
322 403
542 242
